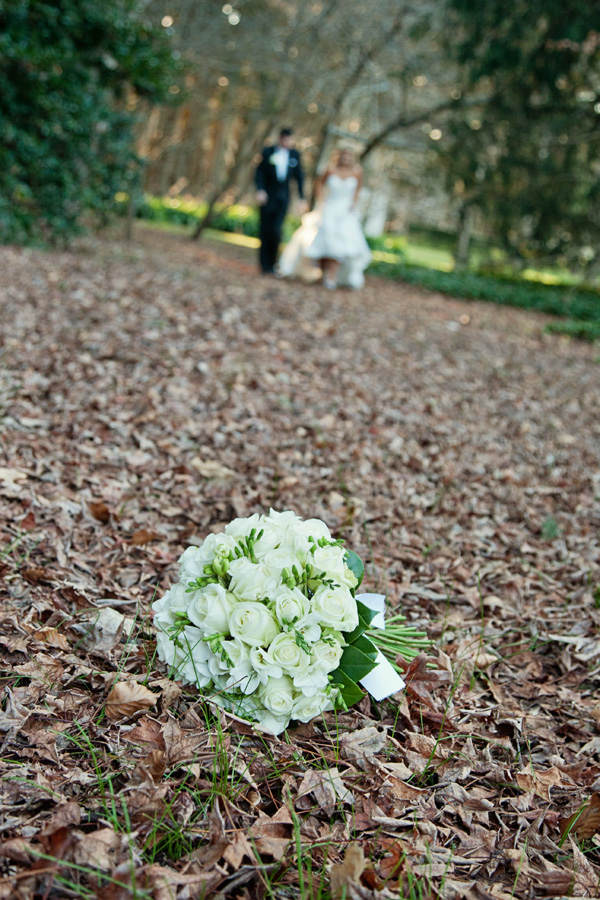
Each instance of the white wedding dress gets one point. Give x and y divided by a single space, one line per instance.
331 231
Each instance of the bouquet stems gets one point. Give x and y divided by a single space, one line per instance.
397 639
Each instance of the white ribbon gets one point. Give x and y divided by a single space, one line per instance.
383 680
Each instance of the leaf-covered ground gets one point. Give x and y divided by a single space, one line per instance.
150 393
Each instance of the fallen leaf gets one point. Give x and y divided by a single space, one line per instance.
128 697
346 874
99 510
36 574
52 637
541 782
365 743
210 468
144 536
585 822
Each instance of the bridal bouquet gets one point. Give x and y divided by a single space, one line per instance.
265 620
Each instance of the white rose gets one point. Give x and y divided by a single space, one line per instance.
272 536
326 655
291 605
336 607
251 581
253 624
210 608
240 528
311 528
286 653
271 724
193 560
283 520
330 560
281 558
276 695
306 708
264 665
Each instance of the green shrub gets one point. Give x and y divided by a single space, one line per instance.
579 304
66 142
585 331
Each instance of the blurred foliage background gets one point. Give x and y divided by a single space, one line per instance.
478 124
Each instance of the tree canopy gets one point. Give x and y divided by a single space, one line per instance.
528 156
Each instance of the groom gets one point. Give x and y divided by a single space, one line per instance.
279 164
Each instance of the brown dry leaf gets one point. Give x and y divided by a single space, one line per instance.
541 782
144 536
326 786
346 874
553 884
99 510
585 822
128 697
36 573
152 766
12 482
100 849
52 637
272 835
365 743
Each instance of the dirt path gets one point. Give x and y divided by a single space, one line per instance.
151 392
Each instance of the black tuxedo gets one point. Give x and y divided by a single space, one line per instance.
273 212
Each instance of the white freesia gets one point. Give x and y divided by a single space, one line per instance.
166 611
252 581
193 657
253 624
311 680
336 607
308 627
241 674
210 609
264 665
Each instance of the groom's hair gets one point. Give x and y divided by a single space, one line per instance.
285 132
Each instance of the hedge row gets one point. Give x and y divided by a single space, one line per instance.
575 303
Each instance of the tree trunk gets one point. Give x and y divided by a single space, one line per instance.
465 231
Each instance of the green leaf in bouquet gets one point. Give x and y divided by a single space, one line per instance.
365 617
355 564
366 646
356 664
349 690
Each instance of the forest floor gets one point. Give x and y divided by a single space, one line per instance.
151 392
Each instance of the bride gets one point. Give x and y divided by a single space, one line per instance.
330 236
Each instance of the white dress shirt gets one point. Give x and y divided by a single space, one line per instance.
282 158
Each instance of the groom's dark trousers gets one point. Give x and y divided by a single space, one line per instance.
273 212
